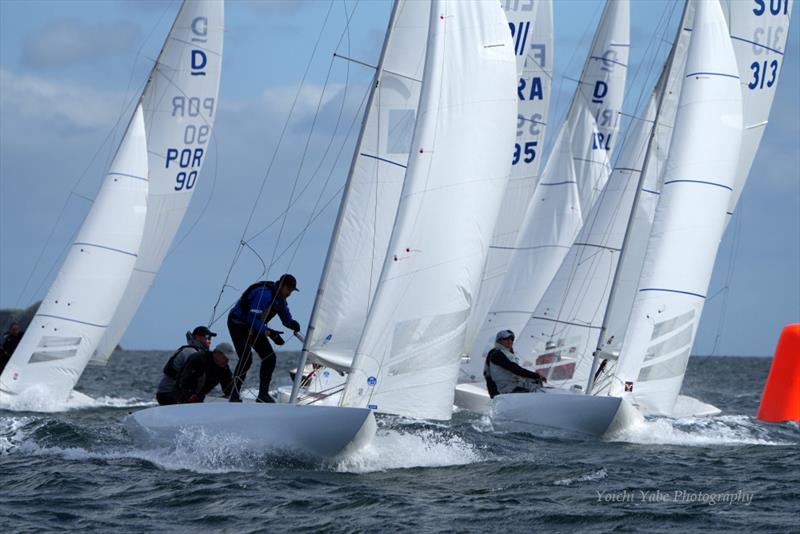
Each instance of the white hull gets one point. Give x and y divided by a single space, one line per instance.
472 397
554 412
308 431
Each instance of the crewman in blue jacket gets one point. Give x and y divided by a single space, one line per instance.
247 324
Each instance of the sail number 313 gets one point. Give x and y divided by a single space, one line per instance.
762 70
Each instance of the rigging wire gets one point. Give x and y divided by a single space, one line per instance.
725 289
283 216
646 68
240 246
126 104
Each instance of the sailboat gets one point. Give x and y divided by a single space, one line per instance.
133 220
368 209
645 377
455 173
574 175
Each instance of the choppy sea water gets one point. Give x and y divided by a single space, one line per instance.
79 469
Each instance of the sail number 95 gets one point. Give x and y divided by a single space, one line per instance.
529 151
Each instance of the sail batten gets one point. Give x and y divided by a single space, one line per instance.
576 171
407 359
532 32
689 220
372 193
180 106
78 307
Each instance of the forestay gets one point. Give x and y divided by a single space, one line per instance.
369 205
531 25
408 357
180 105
81 302
575 173
689 220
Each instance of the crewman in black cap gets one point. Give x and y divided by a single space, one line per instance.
247 323
198 340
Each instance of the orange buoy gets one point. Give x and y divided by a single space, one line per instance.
781 398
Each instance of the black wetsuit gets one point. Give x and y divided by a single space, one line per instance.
199 375
247 324
10 342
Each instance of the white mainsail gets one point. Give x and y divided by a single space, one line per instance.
758 32
408 357
532 33
83 298
575 173
180 105
689 222
758 35
369 204
561 336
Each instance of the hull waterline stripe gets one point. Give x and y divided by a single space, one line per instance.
71 320
384 160
128 176
107 248
699 182
673 291
651 191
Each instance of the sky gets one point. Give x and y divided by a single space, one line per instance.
69 69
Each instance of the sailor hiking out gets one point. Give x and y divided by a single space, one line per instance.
247 324
502 371
198 340
203 371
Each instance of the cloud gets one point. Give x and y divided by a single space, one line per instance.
62 106
71 41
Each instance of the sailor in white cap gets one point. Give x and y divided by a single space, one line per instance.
502 372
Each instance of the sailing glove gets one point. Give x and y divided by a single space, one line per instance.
275 336
294 325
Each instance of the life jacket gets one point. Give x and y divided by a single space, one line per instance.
169 367
501 380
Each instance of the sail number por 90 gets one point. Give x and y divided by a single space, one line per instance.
760 74
529 149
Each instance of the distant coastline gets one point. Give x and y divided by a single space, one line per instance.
23 316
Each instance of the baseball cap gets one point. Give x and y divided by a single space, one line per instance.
203 331
289 281
226 349
504 334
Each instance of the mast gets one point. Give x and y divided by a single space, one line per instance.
340 215
663 80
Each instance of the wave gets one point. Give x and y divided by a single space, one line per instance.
395 448
599 474
40 400
721 430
